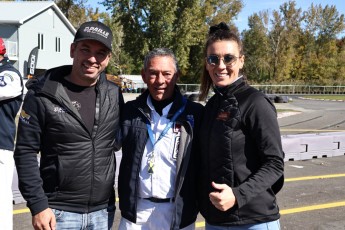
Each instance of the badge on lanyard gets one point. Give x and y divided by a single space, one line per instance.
151 164
165 131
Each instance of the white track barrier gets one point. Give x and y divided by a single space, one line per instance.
309 146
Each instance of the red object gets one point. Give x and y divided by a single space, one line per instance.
2 47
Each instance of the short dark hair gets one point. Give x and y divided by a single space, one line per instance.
160 52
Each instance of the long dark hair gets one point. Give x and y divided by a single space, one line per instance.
220 32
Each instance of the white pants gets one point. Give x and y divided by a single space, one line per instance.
6 197
151 216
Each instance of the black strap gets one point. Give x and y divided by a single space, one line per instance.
159 200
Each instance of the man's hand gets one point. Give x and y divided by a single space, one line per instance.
44 220
223 198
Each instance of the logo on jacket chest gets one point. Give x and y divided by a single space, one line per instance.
58 109
229 118
24 117
5 77
223 116
75 104
177 134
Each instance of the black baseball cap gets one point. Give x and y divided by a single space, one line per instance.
95 30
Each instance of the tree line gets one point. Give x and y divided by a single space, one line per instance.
283 46
290 46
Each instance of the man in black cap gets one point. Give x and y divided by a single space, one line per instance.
70 116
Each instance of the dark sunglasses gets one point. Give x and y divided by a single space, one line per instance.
228 59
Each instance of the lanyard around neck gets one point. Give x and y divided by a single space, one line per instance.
168 126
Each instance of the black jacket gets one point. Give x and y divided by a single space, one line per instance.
135 137
241 147
77 168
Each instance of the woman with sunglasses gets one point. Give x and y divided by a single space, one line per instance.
242 161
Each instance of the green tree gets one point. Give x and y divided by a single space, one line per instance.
118 62
75 11
302 46
256 45
340 74
322 25
78 11
283 40
180 25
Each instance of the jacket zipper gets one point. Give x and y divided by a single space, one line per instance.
98 97
139 164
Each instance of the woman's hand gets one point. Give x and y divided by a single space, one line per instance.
223 198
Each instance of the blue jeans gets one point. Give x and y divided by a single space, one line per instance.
273 225
98 220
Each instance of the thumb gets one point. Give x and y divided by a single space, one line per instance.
217 186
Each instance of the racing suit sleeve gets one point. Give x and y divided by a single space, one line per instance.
10 85
28 143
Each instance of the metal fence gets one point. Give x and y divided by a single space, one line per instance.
281 89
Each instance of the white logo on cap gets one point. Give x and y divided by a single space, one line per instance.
96 30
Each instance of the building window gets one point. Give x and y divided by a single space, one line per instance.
40 41
57 45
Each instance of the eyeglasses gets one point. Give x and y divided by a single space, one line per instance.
228 59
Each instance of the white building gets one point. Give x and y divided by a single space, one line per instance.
29 24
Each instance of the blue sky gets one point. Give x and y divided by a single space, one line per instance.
254 6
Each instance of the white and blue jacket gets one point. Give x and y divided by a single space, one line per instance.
11 91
